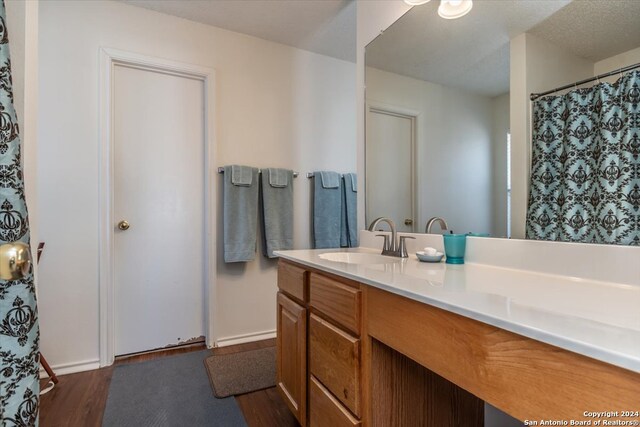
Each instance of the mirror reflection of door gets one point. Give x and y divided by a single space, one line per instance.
390 182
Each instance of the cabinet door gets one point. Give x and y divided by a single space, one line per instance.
292 356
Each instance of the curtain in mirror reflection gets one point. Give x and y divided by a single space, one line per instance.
585 172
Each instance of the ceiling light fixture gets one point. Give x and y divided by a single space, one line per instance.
453 9
416 2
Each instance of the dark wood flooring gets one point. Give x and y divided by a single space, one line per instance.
78 400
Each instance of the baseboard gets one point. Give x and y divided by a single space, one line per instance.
72 368
88 365
241 339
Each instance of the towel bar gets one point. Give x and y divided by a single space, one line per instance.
312 174
221 170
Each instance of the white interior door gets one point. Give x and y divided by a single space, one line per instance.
159 270
389 168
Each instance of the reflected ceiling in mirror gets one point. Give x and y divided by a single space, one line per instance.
470 53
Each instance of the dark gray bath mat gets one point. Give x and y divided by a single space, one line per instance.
243 372
170 391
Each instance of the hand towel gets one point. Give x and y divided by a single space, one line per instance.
352 179
277 210
329 179
327 210
351 208
240 214
241 175
279 178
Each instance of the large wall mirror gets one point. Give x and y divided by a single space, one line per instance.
448 110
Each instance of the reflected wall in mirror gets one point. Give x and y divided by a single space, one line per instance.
448 111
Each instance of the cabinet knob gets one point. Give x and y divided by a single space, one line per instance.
123 225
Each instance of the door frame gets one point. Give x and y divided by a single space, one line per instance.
413 116
109 59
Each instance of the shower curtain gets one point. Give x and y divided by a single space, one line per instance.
585 169
19 353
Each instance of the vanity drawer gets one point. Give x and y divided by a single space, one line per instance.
338 301
334 358
325 410
292 280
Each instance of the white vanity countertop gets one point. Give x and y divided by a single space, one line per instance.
597 319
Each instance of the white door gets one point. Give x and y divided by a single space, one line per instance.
389 168
158 125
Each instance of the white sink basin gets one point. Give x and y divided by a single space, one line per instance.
358 258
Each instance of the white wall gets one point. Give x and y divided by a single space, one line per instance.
536 66
453 148
276 106
499 129
621 60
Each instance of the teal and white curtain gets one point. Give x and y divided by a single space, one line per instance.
19 353
585 169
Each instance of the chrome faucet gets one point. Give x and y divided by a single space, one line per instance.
394 246
443 224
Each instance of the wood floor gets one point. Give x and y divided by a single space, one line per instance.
79 399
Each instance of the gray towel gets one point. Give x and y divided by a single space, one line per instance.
240 216
330 179
327 210
351 208
279 178
277 210
241 175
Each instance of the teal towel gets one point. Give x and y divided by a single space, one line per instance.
352 180
329 179
277 211
240 215
279 177
344 233
351 209
327 210
242 175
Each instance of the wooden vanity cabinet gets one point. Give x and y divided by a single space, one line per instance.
319 321
351 354
291 340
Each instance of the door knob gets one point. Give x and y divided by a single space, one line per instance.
123 225
408 221
15 260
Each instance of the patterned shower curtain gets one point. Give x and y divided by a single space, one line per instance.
19 353
585 170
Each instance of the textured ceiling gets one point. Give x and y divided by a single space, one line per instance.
594 30
327 27
471 53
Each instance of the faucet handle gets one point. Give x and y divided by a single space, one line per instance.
402 247
385 245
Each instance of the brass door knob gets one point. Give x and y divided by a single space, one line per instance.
408 221
15 260
123 225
